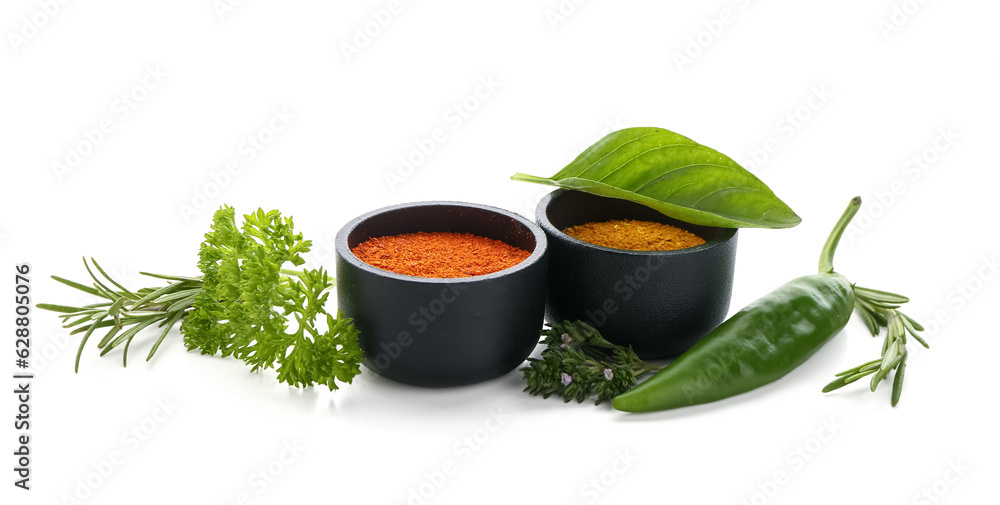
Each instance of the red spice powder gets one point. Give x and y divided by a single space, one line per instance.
439 254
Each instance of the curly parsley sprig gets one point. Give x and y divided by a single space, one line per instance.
243 305
579 363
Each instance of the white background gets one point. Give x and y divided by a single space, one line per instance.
871 89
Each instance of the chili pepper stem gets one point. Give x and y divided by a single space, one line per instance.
826 255
879 310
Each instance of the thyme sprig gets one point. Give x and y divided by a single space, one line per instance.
578 363
880 309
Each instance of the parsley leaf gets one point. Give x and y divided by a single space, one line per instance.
244 305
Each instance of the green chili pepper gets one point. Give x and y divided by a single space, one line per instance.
770 337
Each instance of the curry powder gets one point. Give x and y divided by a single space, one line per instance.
635 235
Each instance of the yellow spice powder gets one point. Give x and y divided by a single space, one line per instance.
635 235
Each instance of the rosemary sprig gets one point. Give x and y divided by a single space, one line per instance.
245 305
124 312
880 309
579 363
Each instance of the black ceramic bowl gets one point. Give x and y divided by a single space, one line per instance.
443 332
659 302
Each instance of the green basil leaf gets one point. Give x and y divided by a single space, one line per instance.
676 176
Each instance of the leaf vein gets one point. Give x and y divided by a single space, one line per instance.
615 149
655 149
660 176
724 189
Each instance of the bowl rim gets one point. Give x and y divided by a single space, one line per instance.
541 214
343 251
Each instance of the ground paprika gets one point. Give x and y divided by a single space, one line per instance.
439 254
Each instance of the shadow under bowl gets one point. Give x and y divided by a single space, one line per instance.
441 332
659 302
